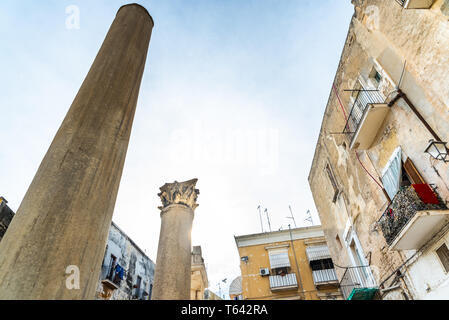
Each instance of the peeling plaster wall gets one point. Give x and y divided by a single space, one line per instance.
132 259
384 36
430 285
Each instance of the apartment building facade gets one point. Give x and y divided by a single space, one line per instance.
127 273
199 281
292 264
380 177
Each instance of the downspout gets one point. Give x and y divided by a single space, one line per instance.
296 262
415 111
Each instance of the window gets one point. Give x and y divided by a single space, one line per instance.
322 264
443 255
138 292
397 174
333 182
392 173
279 259
375 77
111 268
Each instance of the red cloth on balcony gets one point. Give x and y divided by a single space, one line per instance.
426 193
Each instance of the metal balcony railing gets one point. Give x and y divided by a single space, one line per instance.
363 99
114 276
402 208
283 282
401 2
357 280
324 276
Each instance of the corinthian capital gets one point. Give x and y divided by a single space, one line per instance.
179 193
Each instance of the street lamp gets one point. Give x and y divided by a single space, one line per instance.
437 149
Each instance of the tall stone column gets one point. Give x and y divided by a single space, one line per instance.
173 262
62 224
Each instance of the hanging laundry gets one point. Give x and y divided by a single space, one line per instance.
119 271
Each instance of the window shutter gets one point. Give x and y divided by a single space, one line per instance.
412 173
279 259
392 173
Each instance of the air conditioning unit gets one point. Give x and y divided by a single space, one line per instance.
264 272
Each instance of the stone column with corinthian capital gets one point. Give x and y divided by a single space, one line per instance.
55 244
173 263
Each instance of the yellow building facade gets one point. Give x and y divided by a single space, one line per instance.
292 264
199 281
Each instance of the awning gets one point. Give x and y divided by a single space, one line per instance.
318 253
279 259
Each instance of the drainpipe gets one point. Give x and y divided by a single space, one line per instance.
296 262
415 111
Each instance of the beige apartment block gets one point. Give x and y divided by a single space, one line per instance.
380 196
199 282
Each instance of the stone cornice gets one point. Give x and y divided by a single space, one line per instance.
179 193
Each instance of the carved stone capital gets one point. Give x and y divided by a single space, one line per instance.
179 193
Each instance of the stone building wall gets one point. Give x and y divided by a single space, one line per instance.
384 37
136 263
199 281
6 215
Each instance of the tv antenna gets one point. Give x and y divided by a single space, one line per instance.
292 217
309 217
268 218
260 217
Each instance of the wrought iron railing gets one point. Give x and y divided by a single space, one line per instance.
324 276
356 278
114 276
402 208
363 99
281 282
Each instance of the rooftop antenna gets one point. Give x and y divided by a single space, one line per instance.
292 217
269 225
309 217
260 216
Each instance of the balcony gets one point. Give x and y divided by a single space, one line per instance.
358 283
416 4
324 277
412 219
365 119
287 282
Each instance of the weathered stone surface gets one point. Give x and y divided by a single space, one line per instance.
172 277
383 36
66 213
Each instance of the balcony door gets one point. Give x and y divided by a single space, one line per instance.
361 270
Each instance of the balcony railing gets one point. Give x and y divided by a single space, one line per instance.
363 99
358 283
324 276
283 282
115 276
402 209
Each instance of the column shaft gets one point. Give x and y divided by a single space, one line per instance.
173 263
66 213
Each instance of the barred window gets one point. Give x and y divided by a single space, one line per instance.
333 182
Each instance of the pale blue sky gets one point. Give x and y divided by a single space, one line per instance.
233 94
